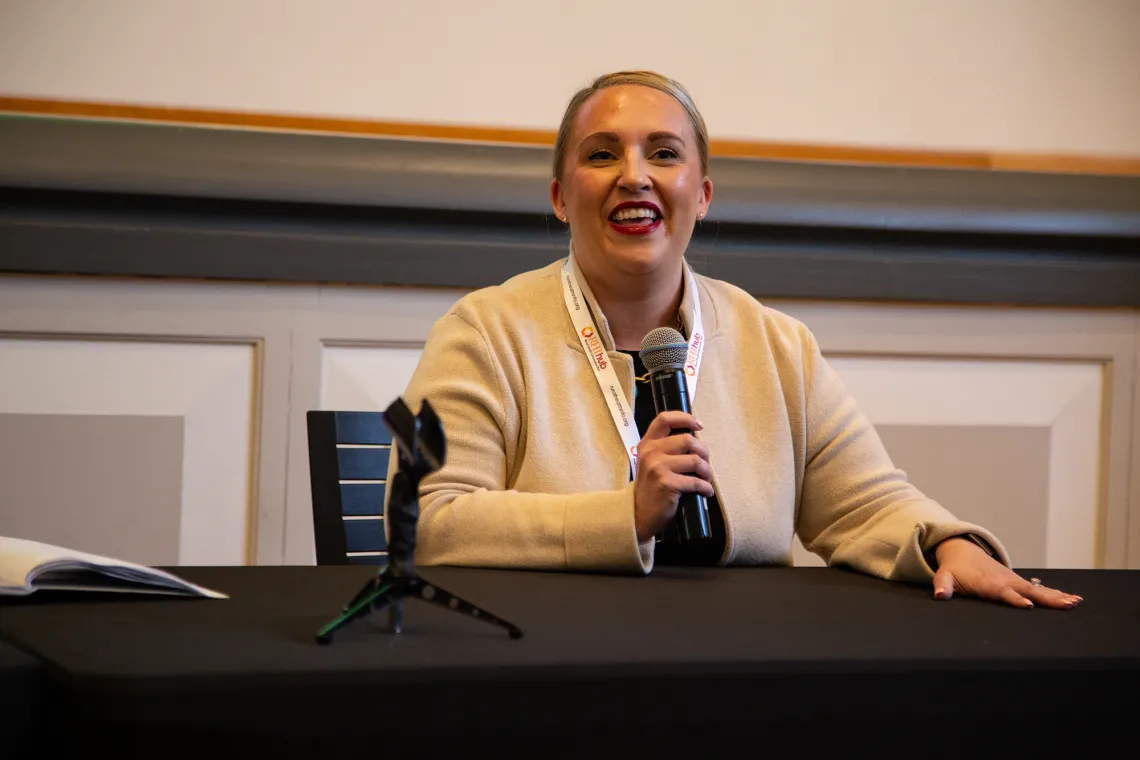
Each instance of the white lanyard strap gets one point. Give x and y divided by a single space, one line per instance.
620 410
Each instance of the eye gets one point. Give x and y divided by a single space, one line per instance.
666 154
599 154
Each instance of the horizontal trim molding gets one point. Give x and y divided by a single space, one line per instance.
134 199
788 151
198 162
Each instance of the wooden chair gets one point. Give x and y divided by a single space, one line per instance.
348 465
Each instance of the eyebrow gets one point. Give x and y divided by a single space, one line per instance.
613 137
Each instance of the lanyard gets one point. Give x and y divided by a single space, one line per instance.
620 410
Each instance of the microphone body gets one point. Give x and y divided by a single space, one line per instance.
671 394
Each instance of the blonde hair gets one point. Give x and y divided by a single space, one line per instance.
645 79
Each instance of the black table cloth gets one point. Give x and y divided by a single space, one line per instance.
684 662
22 686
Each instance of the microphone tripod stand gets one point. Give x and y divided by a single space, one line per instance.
422 449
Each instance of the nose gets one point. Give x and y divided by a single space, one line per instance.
634 175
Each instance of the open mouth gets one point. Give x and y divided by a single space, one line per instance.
635 218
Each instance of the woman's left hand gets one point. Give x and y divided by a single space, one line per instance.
964 568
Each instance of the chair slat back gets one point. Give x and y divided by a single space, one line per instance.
348 467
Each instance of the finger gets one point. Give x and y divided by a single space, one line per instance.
666 422
675 445
943 584
688 464
1036 582
680 484
1049 597
1014 599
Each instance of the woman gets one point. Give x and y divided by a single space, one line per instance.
536 383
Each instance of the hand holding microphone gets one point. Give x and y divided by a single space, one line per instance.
669 467
674 477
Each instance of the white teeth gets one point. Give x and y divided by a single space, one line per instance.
633 213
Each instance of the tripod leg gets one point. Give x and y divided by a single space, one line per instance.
378 594
396 615
429 592
368 589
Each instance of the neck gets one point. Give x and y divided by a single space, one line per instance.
634 306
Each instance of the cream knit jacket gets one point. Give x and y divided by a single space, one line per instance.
537 476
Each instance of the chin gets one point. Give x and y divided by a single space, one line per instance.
643 253
637 256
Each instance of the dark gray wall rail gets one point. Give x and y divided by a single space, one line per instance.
143 199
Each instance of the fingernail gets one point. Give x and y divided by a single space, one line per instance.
700 425
1028 605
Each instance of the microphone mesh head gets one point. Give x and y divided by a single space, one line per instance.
663 347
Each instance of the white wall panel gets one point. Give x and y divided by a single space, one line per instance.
354 378
210 386
1063 397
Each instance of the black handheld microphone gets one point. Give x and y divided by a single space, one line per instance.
664 351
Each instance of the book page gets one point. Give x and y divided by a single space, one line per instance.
22 561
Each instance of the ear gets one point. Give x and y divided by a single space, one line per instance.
557 202
705 198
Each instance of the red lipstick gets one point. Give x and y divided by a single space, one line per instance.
635 218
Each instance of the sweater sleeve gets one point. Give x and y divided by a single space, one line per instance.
467 515
857 509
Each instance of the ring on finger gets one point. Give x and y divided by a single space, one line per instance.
1035 581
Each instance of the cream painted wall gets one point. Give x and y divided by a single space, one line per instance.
1056 76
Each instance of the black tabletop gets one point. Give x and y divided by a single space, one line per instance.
22 686
682 655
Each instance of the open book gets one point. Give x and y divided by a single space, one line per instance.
27 566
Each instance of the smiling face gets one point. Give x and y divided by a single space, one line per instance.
632 184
